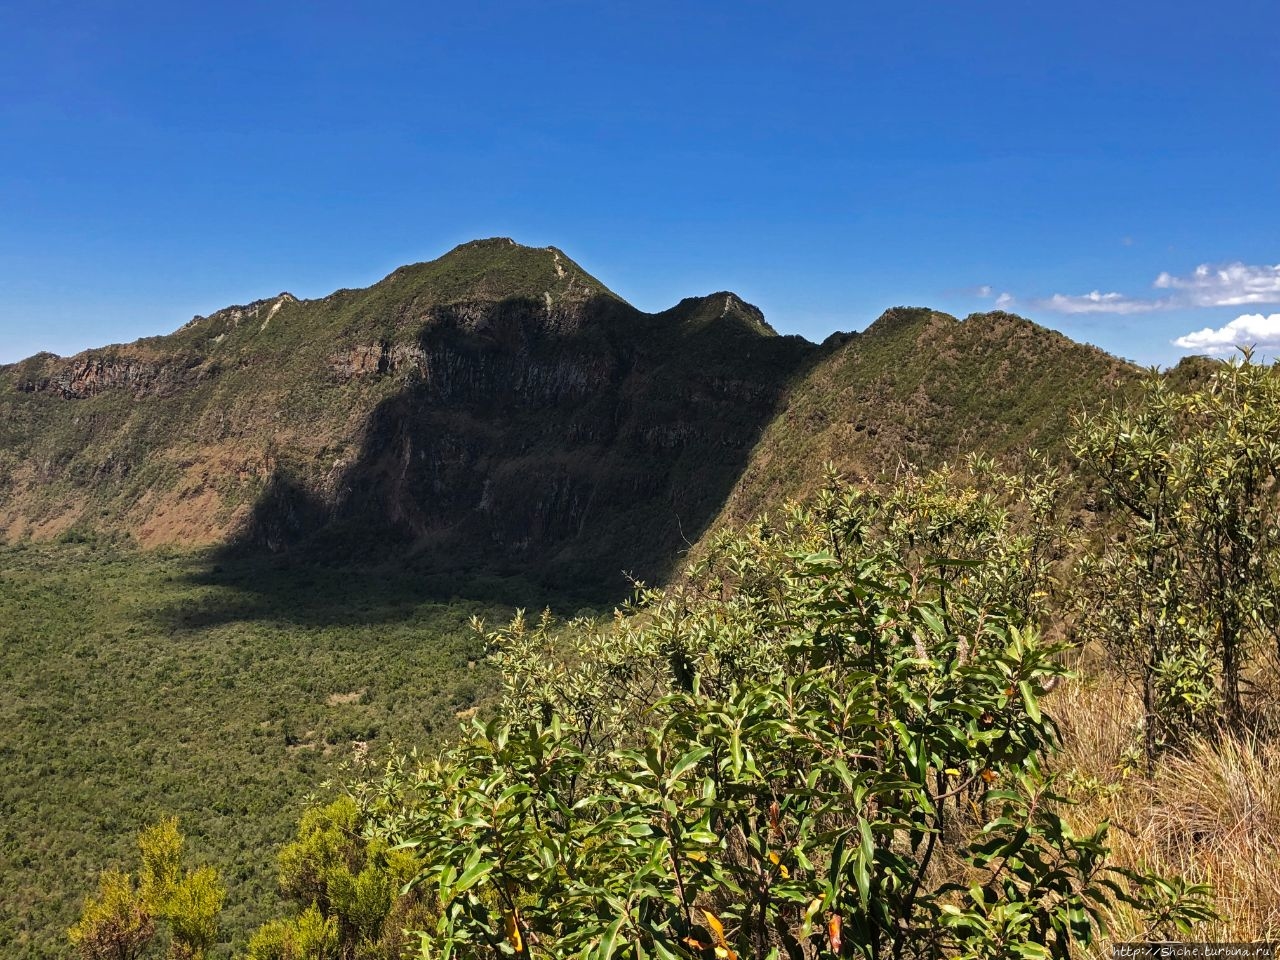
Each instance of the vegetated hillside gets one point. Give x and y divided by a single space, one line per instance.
919 387
498 410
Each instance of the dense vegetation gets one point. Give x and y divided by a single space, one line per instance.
1190 576
831 741
140 685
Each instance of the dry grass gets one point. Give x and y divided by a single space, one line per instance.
1211 814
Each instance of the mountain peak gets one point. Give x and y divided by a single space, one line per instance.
498 268
899 318
497 244
723 307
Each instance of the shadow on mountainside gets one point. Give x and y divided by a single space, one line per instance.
526 458
293 589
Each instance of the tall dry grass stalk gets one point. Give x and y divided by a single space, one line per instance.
1211 814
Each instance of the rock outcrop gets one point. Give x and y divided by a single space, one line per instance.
91 373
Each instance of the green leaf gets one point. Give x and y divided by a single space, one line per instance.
1029 700
609 942
690 759
473 875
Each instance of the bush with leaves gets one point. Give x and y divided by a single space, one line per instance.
123 920
1185 592
348 886
829 740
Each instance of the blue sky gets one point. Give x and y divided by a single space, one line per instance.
1075 162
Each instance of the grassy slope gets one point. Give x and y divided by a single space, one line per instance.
919 387
1211 815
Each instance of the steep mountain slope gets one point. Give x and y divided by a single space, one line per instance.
500 410
918 387
496 408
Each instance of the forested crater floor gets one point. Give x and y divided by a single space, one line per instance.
141 684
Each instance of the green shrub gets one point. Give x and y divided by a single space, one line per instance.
829 740
123 919
1184 593
348 886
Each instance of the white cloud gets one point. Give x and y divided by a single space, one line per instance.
1004 301
1251 329
984 291
1225 285
1099 302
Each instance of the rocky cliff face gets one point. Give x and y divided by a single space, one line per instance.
89 374
486 352
585 447
497 409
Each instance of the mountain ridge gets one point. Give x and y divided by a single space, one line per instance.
499 409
